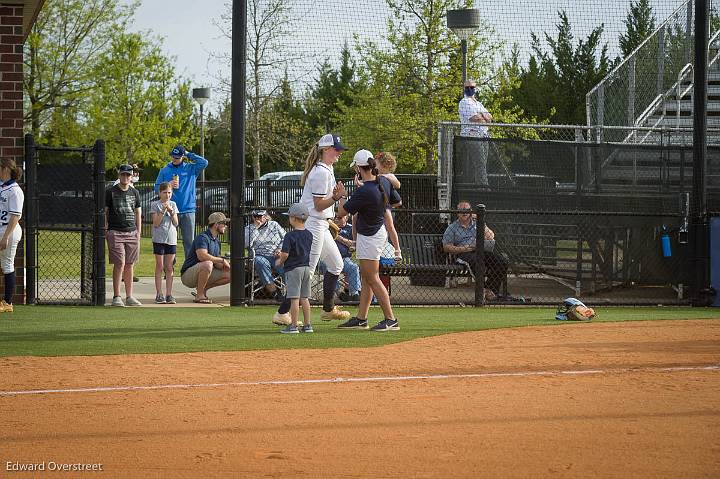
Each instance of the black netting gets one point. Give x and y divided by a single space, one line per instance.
543 175
61 222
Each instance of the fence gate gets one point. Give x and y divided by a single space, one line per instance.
65 223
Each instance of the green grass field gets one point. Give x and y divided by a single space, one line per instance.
61 331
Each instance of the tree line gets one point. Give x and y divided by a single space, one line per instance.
87 77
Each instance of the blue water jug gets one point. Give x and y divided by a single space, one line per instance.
665 240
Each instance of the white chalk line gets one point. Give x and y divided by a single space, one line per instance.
578 372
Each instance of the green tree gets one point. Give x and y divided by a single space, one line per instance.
138 107
60 56
333 90
639 24
407 88
217 144
269 33
555 82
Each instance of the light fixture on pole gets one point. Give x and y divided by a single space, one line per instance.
464 23
201 96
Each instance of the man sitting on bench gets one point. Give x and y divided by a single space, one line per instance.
459 239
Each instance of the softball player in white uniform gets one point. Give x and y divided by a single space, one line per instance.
319 197
11 205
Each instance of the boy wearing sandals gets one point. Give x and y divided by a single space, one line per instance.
294 257
205 268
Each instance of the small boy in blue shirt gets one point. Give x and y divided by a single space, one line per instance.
294 257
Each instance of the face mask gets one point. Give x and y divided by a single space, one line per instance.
469 91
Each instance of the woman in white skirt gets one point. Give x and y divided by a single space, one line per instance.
320 193
11 206
367 205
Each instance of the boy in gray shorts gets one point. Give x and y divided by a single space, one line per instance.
294 257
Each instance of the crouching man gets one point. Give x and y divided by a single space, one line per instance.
205 268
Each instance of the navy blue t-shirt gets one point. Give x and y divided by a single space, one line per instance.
368 203
206 241
297 244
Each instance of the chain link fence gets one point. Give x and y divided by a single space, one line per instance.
537 257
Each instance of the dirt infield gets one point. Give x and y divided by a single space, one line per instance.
636 399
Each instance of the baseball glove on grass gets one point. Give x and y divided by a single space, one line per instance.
334 229
574 310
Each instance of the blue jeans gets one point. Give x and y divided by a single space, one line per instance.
186 222
264 266
352 274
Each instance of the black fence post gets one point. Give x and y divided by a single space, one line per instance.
237 192
480 256
699 225
268 194
31 221
99 223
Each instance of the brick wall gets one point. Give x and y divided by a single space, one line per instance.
11 106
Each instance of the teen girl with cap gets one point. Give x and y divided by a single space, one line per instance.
320 193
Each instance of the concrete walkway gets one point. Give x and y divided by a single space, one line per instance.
144 291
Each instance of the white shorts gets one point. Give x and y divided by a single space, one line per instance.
371 247
7 256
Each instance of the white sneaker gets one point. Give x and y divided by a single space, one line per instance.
281 319
130 301
117 301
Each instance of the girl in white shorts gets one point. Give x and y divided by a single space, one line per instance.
11 205
368 205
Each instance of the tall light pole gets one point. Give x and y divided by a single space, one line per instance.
201 96
464 23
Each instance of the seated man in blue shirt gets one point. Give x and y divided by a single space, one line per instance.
205 268
459 239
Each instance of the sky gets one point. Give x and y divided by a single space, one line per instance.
322 26
188 31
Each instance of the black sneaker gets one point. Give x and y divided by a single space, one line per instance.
354 323
387 325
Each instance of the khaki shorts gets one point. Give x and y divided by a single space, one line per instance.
123 247
190 277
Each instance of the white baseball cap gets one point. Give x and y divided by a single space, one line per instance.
361 158
331 140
